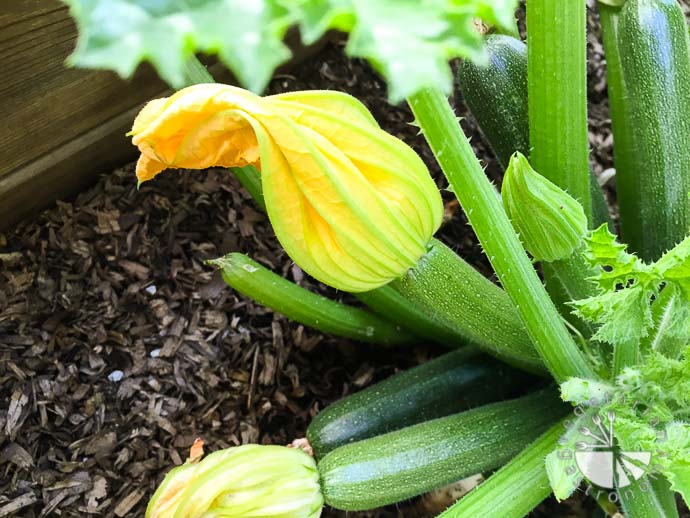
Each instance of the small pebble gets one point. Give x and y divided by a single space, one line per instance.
155 353
116 376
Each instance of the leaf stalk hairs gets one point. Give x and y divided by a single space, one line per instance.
352 205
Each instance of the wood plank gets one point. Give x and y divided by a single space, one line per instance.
65 170
62 127
42 103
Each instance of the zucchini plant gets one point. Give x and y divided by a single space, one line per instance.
604 337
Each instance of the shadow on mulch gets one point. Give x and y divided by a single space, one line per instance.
119 346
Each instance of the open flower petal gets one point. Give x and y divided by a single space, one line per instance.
353 206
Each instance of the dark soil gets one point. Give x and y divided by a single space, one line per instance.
119 346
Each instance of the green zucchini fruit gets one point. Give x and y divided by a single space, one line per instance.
449 290
404 463
646 44
496 95
451 383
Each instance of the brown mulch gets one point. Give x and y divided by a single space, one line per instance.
119 346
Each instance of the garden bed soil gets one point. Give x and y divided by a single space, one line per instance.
119 346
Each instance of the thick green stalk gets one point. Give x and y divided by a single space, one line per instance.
497 236
625 354
557 100
662 338
515 489
557 86
568 280
652 502
271 290
666 496
496 94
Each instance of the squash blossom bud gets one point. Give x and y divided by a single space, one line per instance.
352 205
244 481
551 223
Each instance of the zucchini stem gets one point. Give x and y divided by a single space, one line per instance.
557 95
250 179
557 105
195 72
515 489
501 244
271 290
653 501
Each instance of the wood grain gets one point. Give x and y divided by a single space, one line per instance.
45 104
61 127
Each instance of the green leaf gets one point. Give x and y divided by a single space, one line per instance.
119 34
674 266
317 16
409 41
627 289
561 469
623 315
616 265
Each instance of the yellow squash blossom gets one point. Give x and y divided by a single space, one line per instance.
352 205
242 481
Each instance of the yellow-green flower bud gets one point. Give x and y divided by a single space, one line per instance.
550 222
243 481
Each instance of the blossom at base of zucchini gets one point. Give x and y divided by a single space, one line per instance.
242 481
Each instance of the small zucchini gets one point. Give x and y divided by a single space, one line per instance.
404 463
496 94
646 44
451 383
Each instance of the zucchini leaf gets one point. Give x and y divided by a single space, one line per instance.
119 34
563 475
628 287
408 41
